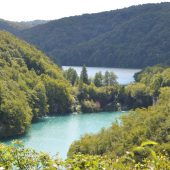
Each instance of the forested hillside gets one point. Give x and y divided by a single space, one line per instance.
140 141
137 36
31 86
139 125
16 27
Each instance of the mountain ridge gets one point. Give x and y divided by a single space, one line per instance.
15 27
133 37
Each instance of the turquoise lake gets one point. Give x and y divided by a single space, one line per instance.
55 134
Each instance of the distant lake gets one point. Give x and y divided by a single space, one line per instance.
125 76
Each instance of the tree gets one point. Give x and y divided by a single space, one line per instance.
71 75
15 112
106 78
98 79
109 78
59 96
31 86
41 100
112 78
84 75
137 95
155 85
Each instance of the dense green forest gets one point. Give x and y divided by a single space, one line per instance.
139 125
136 37
145 124
104 93
139 141
16 27
31 86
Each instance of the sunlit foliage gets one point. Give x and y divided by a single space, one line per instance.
31 86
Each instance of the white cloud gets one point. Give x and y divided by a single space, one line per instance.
54 9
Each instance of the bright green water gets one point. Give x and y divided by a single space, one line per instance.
55 134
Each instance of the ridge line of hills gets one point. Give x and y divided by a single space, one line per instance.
133 37
15 27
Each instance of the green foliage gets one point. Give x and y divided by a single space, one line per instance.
94 97
16 27
138 126
59 96
138 95
98 79
91 162
89 106
143 151
15 112
109 78
136 37
40 105
110 96
84 75
31 86
105 97
71 75
154 78
17 157
148 143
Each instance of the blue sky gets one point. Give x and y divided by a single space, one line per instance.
25 10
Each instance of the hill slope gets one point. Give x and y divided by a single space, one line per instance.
16 27
141 124
31 86
138 36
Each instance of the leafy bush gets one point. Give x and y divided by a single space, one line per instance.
17 157
89 106
139 125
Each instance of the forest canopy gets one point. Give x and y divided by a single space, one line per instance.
133 37
148 123
31 86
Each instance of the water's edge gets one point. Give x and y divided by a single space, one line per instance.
55 134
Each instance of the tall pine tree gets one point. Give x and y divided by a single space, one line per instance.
84 75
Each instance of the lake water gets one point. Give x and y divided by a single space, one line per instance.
55 134
125 76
